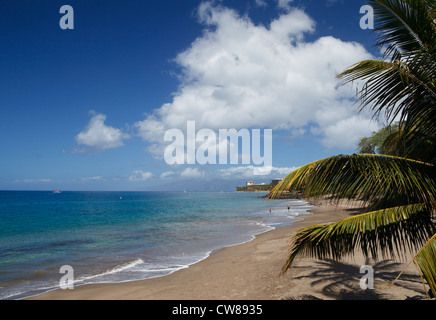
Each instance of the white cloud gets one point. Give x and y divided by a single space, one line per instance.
242 75
293 24
348 132
260 3
192 173
247 172
330 3
100 136
284 4
235 172
167 175
95 178
43 180
139 175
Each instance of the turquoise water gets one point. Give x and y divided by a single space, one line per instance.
122 236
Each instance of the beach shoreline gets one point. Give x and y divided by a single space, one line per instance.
251 271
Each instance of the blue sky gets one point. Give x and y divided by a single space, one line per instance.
87 108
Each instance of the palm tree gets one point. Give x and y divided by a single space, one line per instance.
399 191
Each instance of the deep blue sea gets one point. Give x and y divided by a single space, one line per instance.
123 236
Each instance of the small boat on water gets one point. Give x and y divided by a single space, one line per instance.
57 191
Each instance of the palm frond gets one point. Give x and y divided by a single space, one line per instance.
425 260
399 191
391 88
403 84
372 178
404 26
421 145
386 232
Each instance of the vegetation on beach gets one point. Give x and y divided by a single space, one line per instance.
398 187
256 188
379 141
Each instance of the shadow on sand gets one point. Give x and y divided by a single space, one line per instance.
341 281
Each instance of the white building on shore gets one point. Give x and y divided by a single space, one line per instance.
274 182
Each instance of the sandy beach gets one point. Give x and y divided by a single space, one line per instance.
251 271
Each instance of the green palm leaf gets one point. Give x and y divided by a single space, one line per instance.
391 88
388 232
399 192
420 146
404 26
403 84
375 179
425 260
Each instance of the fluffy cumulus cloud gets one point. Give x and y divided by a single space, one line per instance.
247 172
98 135
167 175
139 175
242 75
284 4
191 173
346 133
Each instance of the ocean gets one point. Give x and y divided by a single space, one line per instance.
123 236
